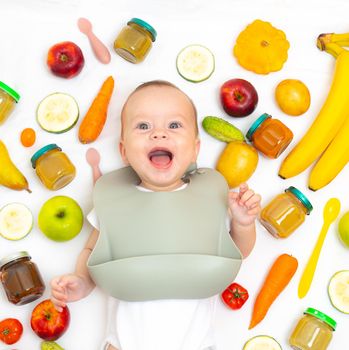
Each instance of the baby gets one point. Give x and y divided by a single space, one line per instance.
161 299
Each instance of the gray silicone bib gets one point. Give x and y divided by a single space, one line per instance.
163 245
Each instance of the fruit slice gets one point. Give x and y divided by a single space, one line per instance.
338 291
50 345
222 130
195 63
16 221
57 113
262 342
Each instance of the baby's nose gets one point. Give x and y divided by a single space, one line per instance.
159 134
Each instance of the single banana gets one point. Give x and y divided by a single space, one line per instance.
332 161
327 123
10 176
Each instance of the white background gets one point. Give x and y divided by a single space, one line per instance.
29 28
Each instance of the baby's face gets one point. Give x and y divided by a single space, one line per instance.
159 136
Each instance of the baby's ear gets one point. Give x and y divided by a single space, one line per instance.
197 147
122 151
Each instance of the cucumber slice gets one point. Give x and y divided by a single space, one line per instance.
262 342
16 221
338 291
195 63
57 113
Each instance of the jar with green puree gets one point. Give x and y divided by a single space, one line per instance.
135 40
8 100
313 332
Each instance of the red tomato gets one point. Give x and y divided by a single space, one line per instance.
235 296
10 330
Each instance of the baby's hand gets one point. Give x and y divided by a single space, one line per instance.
67 288
244 205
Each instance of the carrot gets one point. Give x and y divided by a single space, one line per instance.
277 279
94 120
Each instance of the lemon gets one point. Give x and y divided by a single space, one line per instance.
237 162
338 291
293 97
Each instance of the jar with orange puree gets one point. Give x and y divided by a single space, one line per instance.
270 136
8 100
285 213
313 332
135 40
53 167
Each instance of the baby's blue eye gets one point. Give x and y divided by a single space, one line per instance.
143 126
174 125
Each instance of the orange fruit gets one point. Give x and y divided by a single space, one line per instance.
237 162
28 137
292 96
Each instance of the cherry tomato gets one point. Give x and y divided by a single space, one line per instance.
235 296
28 137
10 330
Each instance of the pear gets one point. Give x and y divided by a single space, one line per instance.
10 176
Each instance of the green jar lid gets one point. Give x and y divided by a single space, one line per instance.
14 94
257 123
42 151
321 316
145 25
303 199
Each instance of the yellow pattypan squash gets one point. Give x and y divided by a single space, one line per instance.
261 48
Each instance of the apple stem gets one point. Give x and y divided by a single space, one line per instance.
64 58
238 96
60 214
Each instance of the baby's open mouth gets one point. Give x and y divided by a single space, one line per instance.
160 157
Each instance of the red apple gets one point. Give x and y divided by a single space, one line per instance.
47 322
239 98
65 59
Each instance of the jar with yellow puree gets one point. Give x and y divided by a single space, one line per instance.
21 278
53 167
313 331
135 40
285 213
8 100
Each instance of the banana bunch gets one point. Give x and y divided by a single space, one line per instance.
327 139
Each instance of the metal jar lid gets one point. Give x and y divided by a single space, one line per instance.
12 257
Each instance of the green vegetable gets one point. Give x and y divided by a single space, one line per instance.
222 130
57 113
262 342
195 63
338 291
50 345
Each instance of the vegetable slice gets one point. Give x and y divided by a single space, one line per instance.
262 342
338 291
16 221
57 113
195 63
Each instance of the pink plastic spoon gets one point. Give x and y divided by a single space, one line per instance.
93 158
100 50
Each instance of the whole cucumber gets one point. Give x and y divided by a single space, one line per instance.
222 130
50 345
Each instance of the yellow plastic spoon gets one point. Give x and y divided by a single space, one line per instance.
330 213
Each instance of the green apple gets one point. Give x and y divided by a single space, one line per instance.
60 218
343 229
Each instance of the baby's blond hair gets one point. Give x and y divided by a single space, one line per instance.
158 83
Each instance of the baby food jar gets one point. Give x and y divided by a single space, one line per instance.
21 278
285 212
135 40
8 100
313 331
53 167
270 136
